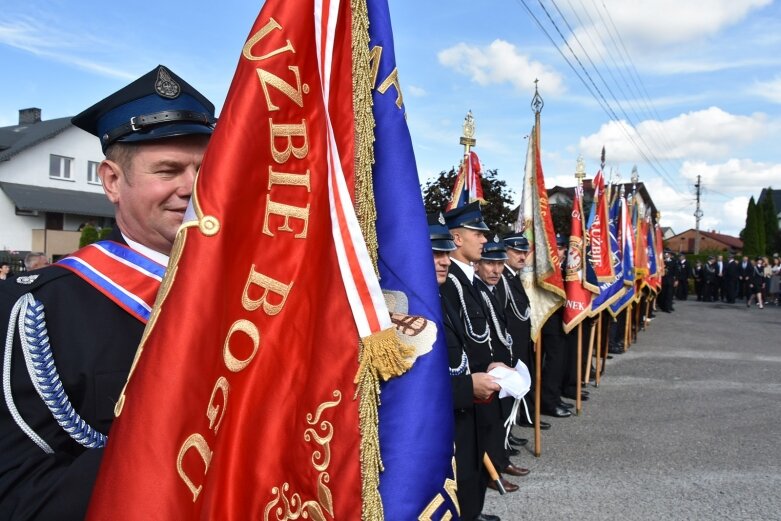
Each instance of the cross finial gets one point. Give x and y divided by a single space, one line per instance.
468 139
635 175
537 102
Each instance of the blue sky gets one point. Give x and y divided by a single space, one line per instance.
694 84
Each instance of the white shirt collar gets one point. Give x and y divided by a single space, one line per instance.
468 269
156 256
511 270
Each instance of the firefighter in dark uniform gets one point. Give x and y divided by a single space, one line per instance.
556 355
462 297
70 345
465 385
489 282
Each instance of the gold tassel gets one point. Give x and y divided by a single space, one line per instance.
383 356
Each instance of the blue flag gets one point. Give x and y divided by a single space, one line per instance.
416 412
627 259
612 290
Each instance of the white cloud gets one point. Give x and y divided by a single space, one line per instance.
735 175
770 90
705 134
658 23
415 91
70 48
501 62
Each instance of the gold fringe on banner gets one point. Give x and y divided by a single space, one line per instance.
382 357
364 128
371 350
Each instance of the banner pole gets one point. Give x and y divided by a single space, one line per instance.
537 392
586 378
578 399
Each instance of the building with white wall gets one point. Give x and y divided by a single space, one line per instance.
49 185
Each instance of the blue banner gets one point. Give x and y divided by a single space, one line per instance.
416 412
610 291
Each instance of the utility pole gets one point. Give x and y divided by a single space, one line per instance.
698 216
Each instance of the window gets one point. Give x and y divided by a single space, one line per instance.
92 173
60 167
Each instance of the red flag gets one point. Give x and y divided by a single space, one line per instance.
541 277
599 233
240 402
578 303
468 186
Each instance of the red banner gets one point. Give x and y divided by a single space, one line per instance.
240 403
599 233
578 303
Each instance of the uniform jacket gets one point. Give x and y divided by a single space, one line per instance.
519 328
93 342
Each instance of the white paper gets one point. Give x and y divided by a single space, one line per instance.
513 382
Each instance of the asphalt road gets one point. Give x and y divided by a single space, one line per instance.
685 425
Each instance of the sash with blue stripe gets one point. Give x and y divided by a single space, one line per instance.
123 275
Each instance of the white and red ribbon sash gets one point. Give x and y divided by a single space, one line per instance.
128 278
361 283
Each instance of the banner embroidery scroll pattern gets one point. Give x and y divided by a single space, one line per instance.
321 432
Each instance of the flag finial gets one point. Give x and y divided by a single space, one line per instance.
580 169
635 175
537 102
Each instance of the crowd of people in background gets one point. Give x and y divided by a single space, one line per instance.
755 281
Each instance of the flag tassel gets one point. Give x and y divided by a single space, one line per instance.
382 357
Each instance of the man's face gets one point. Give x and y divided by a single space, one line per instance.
516 259
5 269
745 260
490 271
720 258
562 254
469 243
441 264
151 196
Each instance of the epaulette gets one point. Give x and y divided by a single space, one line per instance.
15 287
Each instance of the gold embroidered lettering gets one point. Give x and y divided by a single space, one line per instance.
248 328
392 80
212 410
197 442
286 211
295 94
272 24
288 132
269 285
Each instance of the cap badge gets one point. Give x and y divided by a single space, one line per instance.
496 239
26 279
441 219
165 85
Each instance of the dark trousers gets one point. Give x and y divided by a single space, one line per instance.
554 366
682 291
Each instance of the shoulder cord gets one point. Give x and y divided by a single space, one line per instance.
482 337
523 317
46 380
462 368
505 339
511 420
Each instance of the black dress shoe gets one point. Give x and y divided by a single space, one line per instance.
584 392
518 442
565 405
583 398
516 471
558 412
487 517
513 452
544 426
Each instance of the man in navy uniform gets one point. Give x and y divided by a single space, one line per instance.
465 309
94 304
489 277
466 386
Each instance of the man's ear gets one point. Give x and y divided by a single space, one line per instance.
457 238
111 176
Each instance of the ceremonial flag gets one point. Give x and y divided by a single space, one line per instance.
241 401
468 187
541 276
611 291
641 247
416 414
598 233
653 271
627 258
578 302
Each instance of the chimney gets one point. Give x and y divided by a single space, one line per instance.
29 116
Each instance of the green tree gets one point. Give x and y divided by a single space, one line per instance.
89 234
104 233
751 231
770 215
498 197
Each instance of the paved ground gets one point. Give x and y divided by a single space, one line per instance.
685 425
